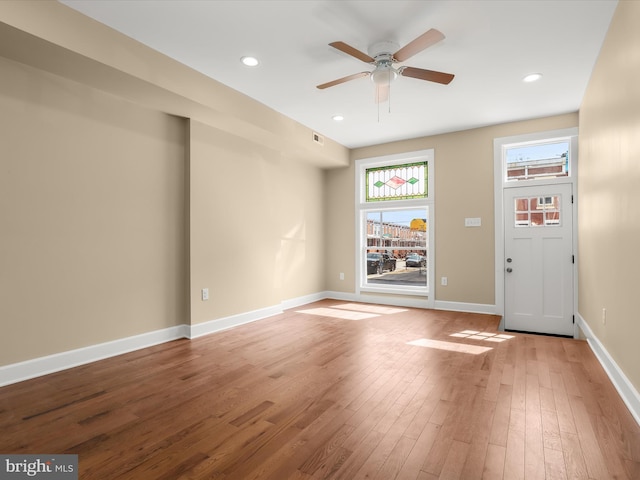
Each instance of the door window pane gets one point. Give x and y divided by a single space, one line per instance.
522 205
537 211
537 219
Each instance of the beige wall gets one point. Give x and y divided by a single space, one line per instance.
99 239
256 226
128 183
92 217
464 186
340 235
609 193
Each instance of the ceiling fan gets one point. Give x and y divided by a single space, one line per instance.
381 56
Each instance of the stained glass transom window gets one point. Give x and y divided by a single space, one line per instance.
397 182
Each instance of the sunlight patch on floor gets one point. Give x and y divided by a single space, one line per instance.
379 309
487 336
450 346
336 313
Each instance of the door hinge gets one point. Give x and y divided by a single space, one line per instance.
573 318
573 259
571 198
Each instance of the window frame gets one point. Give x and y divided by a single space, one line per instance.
362 208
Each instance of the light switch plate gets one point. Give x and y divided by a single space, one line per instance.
473 222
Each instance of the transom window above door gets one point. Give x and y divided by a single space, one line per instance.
539 161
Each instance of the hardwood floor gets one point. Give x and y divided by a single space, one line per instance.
335 390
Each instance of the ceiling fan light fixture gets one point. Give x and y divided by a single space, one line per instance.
383 75
250 61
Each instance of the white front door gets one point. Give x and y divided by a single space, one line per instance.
538 262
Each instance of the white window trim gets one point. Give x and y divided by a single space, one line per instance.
500 145
361 206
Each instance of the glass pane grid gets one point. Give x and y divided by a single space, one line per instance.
537 211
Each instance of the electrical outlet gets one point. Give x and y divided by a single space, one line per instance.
341 275
444 281
205 294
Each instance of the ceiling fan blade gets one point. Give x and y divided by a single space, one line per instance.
343 80
428 75
425 40
354 52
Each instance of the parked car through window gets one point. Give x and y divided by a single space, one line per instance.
379 262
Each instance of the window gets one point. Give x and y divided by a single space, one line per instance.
537 161
396 243
537 211
395 213
396 182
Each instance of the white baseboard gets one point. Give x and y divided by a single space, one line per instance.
465 307
345 297
225 323
219 324
625 388
17 372
413 302
297 302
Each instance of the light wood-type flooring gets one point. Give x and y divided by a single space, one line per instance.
335 390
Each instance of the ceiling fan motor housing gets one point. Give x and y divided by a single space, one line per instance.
383 48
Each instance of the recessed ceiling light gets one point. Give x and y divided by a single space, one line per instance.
532 77
338 118
250 61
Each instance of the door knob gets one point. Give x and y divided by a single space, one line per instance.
509 260
509 269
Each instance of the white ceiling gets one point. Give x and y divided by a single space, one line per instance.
490 46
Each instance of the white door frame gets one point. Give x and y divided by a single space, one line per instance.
499 145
